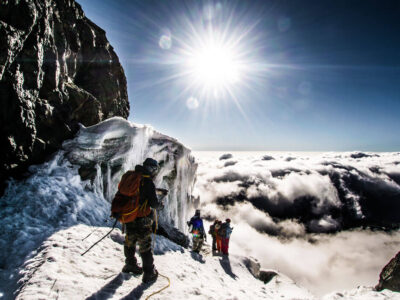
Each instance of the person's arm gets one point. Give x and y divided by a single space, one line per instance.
149 193
203 232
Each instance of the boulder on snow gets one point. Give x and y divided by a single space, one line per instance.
57 69
390 275
173 234
266 275
253 266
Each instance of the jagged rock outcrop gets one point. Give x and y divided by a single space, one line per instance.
57 69
173 234
390 275
254 267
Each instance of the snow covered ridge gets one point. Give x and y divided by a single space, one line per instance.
58 271
54 197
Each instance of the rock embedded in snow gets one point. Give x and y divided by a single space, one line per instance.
390 275
173 234
267 275
57 69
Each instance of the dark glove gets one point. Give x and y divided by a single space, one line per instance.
116 215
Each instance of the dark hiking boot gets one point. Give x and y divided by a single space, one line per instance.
133 269
150 276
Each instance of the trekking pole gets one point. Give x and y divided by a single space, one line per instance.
93 231
115 223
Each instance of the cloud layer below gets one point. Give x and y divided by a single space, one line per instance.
328 220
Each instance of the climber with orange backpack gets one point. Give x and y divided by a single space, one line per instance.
133 206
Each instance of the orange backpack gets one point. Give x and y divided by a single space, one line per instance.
126 201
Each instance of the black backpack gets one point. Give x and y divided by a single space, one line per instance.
222 230
212 229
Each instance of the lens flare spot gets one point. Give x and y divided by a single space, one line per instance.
165 42
192 103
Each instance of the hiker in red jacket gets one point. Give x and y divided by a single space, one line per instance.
218 236
225 233
139 230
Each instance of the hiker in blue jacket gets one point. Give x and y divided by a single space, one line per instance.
197 230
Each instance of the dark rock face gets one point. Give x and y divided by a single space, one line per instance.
390 275
173 234
57 69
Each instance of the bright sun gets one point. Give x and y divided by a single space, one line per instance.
216 58
214 66
213 63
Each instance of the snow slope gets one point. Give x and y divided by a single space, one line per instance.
58 271
54 196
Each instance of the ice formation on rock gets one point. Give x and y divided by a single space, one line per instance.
78 183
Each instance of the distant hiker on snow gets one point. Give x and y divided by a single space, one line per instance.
132 206
217 235
197 230
213 233
225 232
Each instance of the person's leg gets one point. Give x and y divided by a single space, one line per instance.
219 244
144 240
131 265
223 246
201 242
195 243
214 243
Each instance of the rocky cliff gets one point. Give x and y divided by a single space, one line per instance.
57 69
390 275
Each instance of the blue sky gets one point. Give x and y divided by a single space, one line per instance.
311 75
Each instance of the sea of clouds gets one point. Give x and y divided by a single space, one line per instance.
328 220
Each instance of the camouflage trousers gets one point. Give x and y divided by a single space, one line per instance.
197 243
138 233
